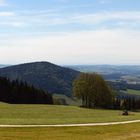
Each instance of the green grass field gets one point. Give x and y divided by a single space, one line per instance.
113 132
133 92
68 100
56 114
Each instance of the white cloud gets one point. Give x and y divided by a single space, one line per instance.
51 17
10 19
105 1
93 47
7 14
101 19
17 24
130 16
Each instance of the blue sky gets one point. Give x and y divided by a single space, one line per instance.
70 31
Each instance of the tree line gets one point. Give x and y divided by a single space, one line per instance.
126 103
18 92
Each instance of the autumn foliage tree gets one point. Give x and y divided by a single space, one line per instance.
93 91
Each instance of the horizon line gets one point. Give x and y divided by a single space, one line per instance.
70 64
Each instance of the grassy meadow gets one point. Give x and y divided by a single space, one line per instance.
56 114
113 132
133 92
68 100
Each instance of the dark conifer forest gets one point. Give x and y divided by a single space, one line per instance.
18 92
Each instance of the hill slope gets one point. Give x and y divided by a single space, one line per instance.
43 75
2 66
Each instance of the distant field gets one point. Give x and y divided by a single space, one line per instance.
55 114
136 92
133 92
113 132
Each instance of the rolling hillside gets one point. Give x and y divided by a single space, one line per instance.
43 75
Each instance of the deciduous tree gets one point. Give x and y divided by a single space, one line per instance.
93 91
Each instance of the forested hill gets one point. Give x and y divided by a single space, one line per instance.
2 66
17 92
43 75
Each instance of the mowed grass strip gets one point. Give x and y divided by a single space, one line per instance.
56 114
113 132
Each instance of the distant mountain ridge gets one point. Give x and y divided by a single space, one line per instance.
108 69
2 66
43 75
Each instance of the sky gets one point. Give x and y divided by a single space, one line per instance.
70 32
